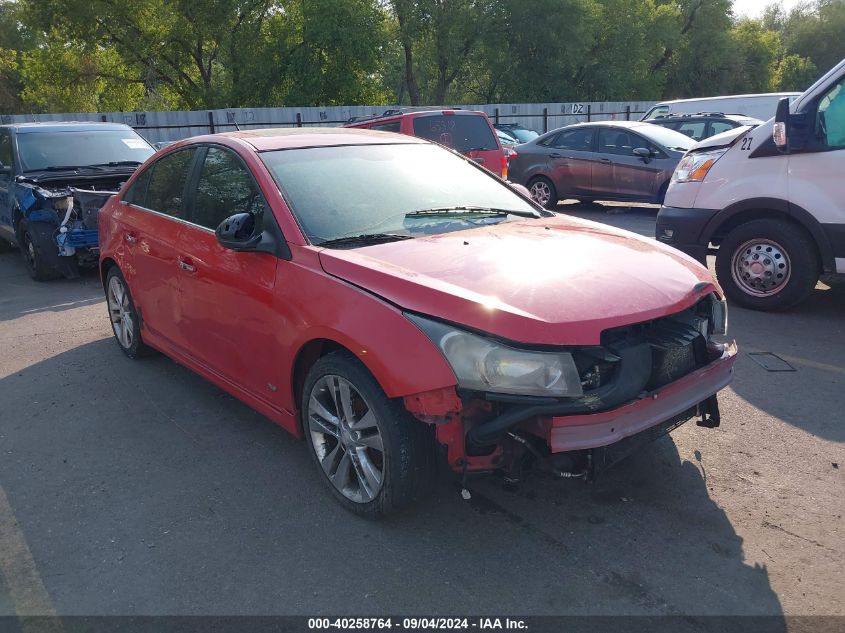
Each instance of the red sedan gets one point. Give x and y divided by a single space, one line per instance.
383 297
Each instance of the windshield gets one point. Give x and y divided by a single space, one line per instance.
401 190
666 137
521 134
43 150
461 132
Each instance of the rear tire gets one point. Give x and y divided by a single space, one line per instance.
543 192
767 264
373 455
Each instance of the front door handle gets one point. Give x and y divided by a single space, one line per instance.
187 265
555 155
604 160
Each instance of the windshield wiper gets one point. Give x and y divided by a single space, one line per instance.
365 238
472 209
118 163
66 168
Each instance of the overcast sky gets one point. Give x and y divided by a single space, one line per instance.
754 8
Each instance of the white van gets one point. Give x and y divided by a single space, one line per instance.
769 201
758 106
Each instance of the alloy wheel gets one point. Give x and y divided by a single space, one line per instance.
121 313
540 192
346 438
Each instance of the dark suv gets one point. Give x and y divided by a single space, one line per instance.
466 131
704 124
54 177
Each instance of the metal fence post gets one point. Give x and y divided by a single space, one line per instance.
298 119
211 121
545 120
589 112
628 112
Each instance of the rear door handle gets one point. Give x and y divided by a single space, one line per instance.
130 238
604 160
555 155
187 265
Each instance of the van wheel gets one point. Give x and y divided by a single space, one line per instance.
33 257
767 265
543 192
371 453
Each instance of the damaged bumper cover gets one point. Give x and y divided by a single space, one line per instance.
682 398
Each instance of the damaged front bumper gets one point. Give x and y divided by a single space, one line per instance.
62 223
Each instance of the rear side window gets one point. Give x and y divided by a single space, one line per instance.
579 140
717 127
225 187
166 186
460 132
693 129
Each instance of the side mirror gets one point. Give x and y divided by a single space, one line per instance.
238 232
643 153
780 130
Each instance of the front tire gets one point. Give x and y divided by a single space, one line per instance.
33 257
543 192
370 452
125 322
767 265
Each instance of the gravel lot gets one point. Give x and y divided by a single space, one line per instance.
139 488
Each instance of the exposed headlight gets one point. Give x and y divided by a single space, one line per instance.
718 315
694 167
483 364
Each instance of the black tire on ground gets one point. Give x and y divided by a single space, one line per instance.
543 192
780 245
122 314
408 455
33 257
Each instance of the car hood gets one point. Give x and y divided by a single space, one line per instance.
556 281
724 139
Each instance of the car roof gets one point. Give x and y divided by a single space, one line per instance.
65 126
683 116
268 139
744 96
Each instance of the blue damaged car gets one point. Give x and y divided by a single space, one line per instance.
54 177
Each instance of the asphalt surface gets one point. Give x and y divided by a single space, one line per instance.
136 487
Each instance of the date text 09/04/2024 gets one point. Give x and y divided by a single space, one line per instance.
417 624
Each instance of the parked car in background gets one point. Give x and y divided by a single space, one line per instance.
466 131
604 160
54 177
380 295
769 202
703 125
517 131
507 141
758 106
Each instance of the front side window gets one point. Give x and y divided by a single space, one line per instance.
460 132
225 187
166 186
830 122
614 141
401 190
387 127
